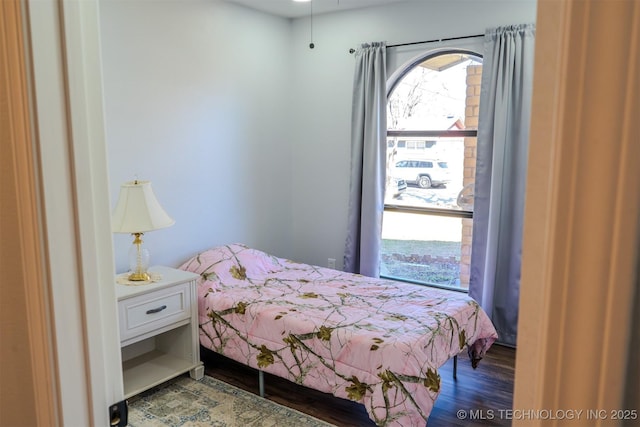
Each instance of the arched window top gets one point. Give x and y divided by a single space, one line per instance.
431 93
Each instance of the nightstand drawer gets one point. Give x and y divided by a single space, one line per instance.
145 313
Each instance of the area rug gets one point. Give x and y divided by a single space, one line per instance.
210 402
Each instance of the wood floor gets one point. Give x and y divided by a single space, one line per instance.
481 393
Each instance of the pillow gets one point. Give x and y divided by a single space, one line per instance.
232 262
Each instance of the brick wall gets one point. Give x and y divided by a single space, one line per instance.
474 75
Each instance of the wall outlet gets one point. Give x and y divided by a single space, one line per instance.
331 263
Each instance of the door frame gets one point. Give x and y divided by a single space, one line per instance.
580 248
68 121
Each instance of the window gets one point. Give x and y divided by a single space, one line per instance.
432 116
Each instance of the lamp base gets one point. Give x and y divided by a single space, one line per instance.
139 277
138 260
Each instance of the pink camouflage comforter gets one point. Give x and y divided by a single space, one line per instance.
377 342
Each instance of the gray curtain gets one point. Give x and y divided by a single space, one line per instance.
368 148
501 168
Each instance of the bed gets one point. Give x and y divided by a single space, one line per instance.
374 341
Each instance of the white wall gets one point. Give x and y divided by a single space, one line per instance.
321 113
243 130
196 94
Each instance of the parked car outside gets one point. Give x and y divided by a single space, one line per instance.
426 173
397 186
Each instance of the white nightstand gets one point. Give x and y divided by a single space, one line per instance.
159 330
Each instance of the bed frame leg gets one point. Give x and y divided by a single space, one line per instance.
261 383
455 367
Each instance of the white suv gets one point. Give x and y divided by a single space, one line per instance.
424 172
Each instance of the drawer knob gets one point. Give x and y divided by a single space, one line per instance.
156 310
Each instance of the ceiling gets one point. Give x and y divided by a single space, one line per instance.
291 9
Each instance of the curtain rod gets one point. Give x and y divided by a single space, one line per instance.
352 50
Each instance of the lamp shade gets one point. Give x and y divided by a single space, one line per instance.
138 210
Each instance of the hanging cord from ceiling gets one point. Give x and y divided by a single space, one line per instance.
311 44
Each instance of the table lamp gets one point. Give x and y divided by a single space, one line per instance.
137 212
